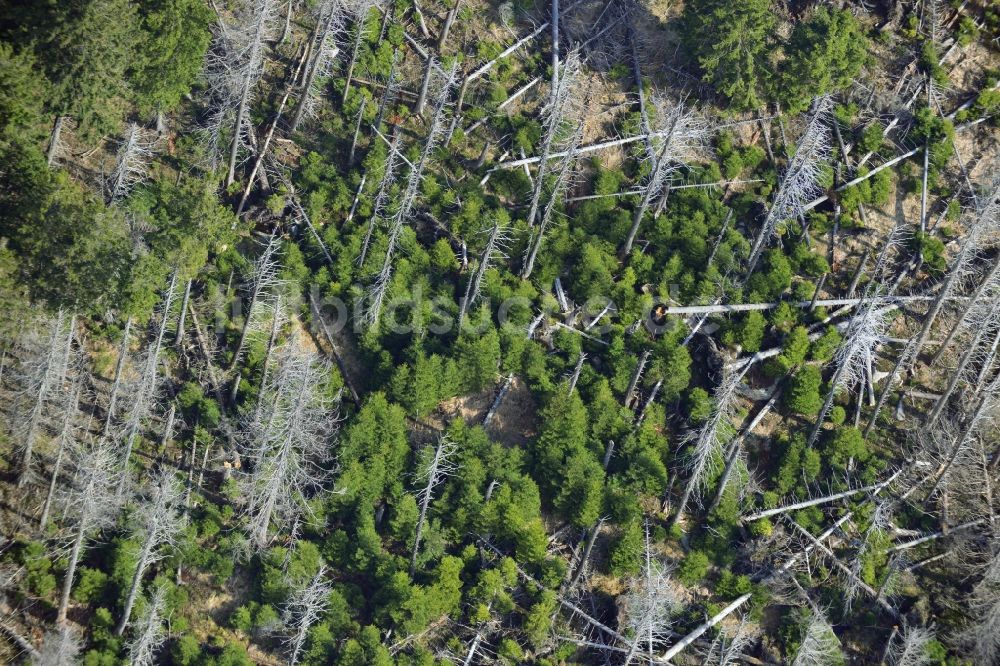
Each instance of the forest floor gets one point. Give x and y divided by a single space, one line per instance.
515 422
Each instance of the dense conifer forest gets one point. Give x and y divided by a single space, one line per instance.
451 332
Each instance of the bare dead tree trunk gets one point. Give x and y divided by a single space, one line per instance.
821 302
637 75
357 132
561 180
234 146
160 522
587 548
264 278
65 437
471 654
959 442
990 279
843 568
204 465
640 211
732 455
244 74
318 316
382 198
50 372
437 470
181 318
575 377
609 451
950 283
703 627
116 384
568 605
495 248
320 33
825 409
262 152
74 557
425 82
819 500
150 631
710 439
147 387
860 179
288 22
799 179
559 97
581 150
498 400
901 361
168 430
554 20
536 195
857 274
361 16
956 375
934 536
131 164
21 642
54 138
923 186
188 490
275 325
987 365
378 291
357 196
487 66
449 20
304 610
636 376
389 93
288 448
649 401
93 504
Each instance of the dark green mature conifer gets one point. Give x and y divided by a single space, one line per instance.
730 40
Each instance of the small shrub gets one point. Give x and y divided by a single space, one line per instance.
694 568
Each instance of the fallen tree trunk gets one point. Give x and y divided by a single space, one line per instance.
906 545
840 565
705 626
821 302
826 499
732 455
262 153
318 316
